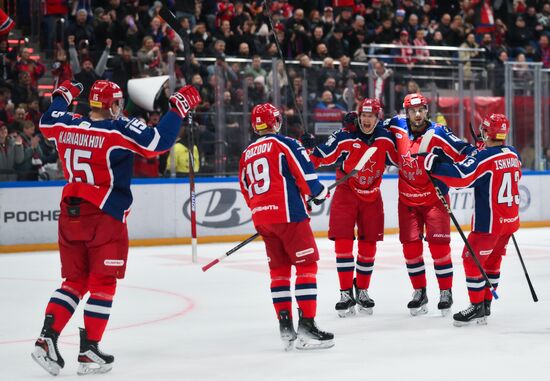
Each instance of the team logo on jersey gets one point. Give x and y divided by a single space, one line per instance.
409 161
217 208
356 145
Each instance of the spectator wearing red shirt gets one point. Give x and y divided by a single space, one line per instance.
35 68
53 11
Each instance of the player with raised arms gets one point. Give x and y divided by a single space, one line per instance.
97 156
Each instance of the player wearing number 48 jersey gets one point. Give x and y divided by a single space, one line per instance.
97 155
357 201
275 176
494 174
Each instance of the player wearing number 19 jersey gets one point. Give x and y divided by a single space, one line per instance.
275 176
494 174
97 156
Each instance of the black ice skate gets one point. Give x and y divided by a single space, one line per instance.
311 337
90 359
346 306
475 314
286 327
364 301
488 307
445 301
45 352
418 304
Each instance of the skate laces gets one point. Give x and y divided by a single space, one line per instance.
364 295
468 310
445 295
417 295
345 296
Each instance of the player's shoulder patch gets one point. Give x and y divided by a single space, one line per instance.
84 124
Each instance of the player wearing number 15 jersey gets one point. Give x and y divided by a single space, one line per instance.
494 174
97 155
275 176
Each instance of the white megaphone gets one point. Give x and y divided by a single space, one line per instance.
145 91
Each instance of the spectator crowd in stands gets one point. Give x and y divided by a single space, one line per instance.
124 39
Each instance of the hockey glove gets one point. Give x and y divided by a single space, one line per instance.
350 121
321 196
308 141
184 100
69 90
428 160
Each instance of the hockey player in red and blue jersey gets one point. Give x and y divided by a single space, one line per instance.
97 155
275 176
418 205
494 174
357 201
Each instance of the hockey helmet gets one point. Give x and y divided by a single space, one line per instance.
414 100
265 116
369 105
495 127
104 94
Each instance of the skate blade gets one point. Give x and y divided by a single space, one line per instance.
93 368
303 344
445 312
40 357
478 321
365 310
346 313
422 310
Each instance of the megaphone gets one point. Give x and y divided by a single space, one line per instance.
145 91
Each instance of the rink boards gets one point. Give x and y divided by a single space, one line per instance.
160 213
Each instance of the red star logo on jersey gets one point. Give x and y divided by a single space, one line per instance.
408 161
369 166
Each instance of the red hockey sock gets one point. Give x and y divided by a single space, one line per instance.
344 262
64 301
306 289
443 265
98 306
415 263
474 281
365 263
492 269
280 289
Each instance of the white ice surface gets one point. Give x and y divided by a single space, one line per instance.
171 321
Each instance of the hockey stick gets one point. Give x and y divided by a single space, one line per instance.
360 164
422 149
280 52
531 288
191 149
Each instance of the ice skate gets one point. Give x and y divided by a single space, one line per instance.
286 327
364 301
346 306
445 302
311 337
474 314
45 352
487 304
90 359
418 304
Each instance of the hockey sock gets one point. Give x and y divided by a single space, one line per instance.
306 289
492 269
415 263
64 301
365 263
98 307
344 262
280 289
443 265
474 281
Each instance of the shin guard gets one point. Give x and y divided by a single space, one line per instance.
64 301
306 289
365 263
280 289
443 265
98 306
344 262
415 263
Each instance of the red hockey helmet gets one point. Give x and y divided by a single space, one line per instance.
265 116
369 105
104 94
495 127
414 100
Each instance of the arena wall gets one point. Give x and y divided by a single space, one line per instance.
160 213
